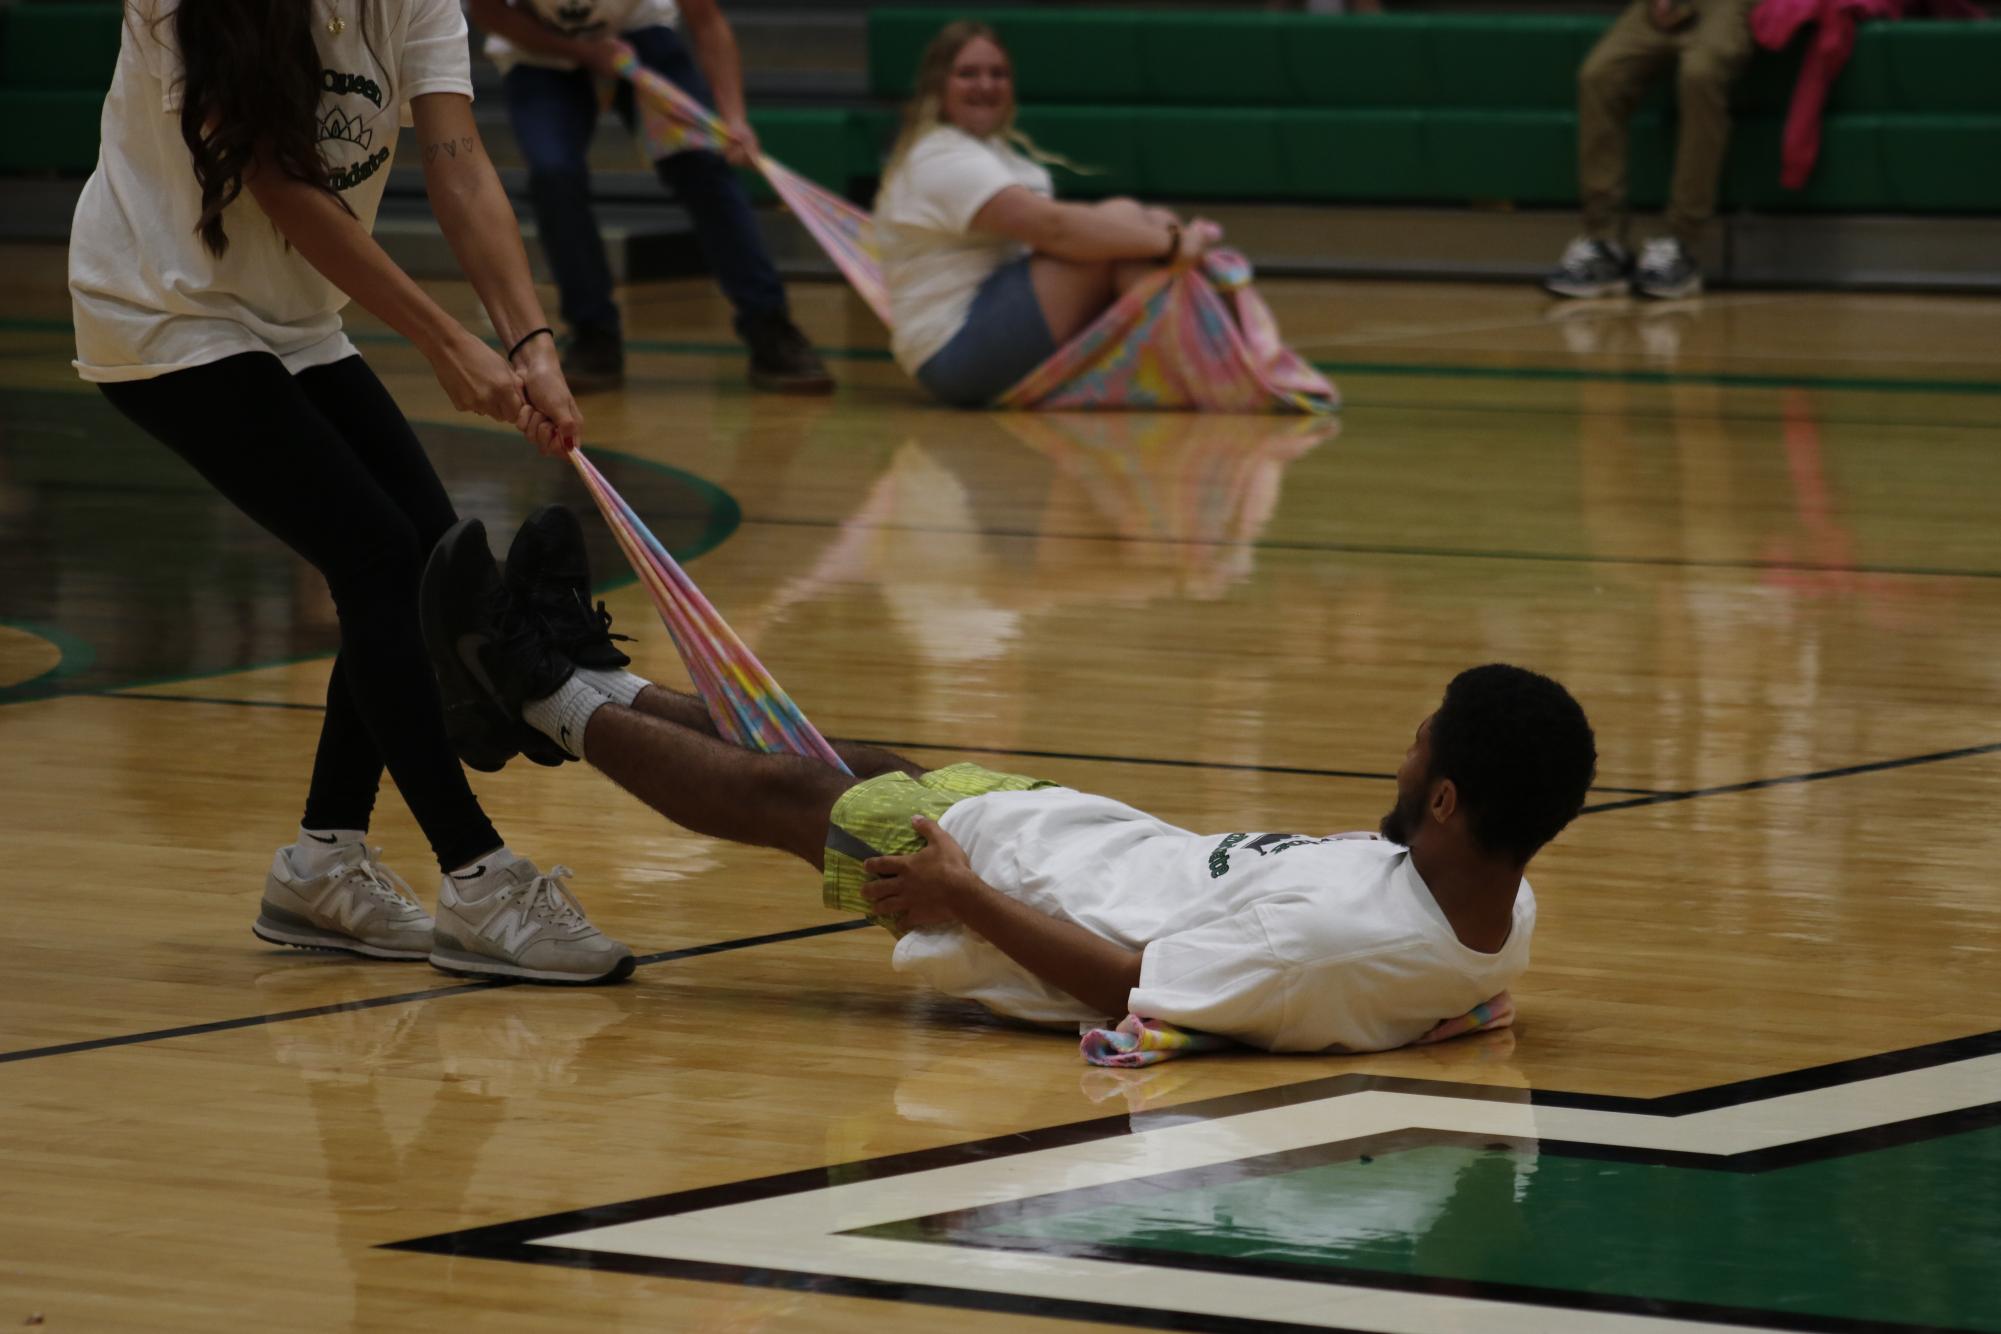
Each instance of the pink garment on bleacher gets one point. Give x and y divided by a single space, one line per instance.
1775 22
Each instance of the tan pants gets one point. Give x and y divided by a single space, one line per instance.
1708 54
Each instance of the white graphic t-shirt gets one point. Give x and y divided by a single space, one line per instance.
146 295
1284 941
581 18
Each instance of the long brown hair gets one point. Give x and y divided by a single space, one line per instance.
250 84
934 69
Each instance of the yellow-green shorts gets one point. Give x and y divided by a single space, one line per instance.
872 819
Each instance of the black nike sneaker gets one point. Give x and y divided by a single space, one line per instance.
549 572
489 652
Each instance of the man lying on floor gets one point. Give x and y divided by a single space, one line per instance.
1039 901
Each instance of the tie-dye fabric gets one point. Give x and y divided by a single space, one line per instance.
1137 1041
746 704
1193 336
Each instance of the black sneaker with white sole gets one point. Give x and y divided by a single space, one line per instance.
1591 268
489 653
549 570
1667 272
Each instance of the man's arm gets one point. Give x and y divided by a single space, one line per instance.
937 886
714 43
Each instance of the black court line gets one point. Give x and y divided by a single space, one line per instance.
1289 770
404 997
1650 799
207 699
1757 784
1387 549
1283 769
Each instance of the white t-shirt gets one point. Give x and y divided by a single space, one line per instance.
1282 941
581 18
146 296
932 264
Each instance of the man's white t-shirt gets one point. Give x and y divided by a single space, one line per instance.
146 296
581 18
1282 941
932 264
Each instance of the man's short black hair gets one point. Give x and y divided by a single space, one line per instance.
1520 752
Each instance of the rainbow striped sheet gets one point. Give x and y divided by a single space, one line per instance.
748 706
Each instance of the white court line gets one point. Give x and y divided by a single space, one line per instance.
802 1231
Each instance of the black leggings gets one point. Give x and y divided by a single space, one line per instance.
326 463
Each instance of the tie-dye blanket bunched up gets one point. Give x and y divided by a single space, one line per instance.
1193 336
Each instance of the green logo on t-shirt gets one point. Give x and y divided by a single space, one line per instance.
1265 845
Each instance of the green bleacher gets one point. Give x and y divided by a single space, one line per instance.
1398 108
55 63
1460 108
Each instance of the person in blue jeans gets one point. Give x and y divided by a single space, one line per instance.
553 54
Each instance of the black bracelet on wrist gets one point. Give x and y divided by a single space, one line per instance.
532 333
1173 244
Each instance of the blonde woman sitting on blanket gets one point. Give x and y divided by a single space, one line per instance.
988 274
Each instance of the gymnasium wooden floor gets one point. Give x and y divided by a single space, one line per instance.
1756 1079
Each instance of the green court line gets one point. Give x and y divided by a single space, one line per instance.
1421 370
73 655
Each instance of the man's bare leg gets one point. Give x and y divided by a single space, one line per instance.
677 706
711 787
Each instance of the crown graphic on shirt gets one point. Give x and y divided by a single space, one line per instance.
574 11
337 124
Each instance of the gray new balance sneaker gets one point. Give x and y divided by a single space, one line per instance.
1590 268
524 924
360 906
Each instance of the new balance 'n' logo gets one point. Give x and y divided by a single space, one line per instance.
513 933
350 912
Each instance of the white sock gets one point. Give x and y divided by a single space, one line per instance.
472 879
317 851
563 716
615 684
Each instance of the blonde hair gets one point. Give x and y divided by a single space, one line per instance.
922 114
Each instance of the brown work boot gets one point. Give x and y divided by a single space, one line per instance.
782 360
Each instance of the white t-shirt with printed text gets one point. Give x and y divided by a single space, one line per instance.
146 296
581 18
1283 941
932 263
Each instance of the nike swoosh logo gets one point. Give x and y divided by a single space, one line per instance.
564 740
473 874
328 839
470 643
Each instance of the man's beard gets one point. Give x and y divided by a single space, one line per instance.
1400 825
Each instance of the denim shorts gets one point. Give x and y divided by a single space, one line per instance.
1004 338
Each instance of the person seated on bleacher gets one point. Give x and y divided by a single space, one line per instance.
553 54
988 274
1709 43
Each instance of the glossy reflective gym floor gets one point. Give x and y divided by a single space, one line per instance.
1754 1083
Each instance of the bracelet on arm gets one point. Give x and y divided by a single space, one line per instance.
1173 250
531 334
